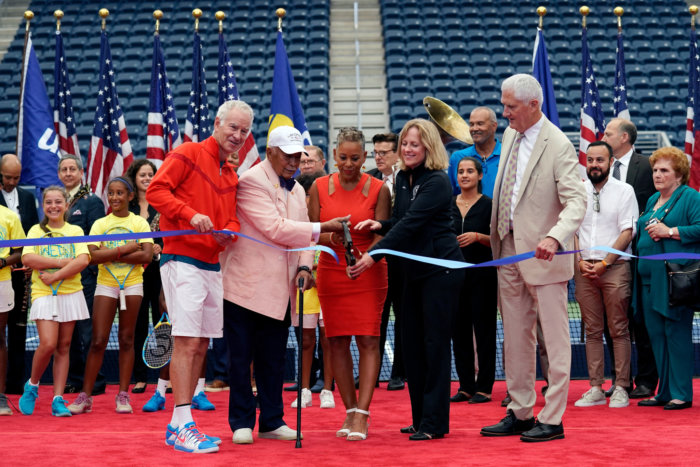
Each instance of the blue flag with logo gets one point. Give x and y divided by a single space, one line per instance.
37 142
285 107
541 72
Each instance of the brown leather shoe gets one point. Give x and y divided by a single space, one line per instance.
216 386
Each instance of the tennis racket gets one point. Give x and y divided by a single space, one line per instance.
158 347
59 252
120 271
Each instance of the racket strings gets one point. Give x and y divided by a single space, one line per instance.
158 347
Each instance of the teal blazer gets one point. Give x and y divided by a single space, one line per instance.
684 215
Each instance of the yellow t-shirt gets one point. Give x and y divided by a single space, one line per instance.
101 226
10 229
70 285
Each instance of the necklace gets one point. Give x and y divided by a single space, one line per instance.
464 202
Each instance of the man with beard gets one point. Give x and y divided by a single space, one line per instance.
483 124
603 280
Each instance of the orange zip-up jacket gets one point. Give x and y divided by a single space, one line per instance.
190 181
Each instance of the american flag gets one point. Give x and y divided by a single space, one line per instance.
110 149
692 133
161 112
620 98
63 117
592 119
228 90
197 123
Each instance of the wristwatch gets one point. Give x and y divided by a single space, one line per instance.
3 263
670 232
303 268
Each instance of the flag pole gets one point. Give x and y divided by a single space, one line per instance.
280 12
158 15
104 13
584 10
541 11
220 15
28 15
58 14
619 11
196 13
693 9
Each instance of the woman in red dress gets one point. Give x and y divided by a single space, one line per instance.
351 307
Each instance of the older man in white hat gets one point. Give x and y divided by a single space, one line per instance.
260 284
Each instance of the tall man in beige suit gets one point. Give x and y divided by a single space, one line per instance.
539 201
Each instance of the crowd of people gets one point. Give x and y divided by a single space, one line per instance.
492 201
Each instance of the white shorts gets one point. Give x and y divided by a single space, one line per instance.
71 307
310 321
195 299
7 296
113 292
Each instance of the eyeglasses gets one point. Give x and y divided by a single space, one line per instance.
381 153
309 162
291 158
596 201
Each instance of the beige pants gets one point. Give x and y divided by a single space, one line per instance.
521 305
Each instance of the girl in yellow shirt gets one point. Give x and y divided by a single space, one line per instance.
116 256
56 267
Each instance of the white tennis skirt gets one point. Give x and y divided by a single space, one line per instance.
71 307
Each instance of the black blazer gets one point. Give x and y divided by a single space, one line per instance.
86 211
27 208
639 175
376 173
420 223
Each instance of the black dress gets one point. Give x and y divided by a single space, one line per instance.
421 225
477 315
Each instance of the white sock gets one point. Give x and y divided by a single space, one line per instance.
32 384
200 386
162 386
183 414
57 397
174 419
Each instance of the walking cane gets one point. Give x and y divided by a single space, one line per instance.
299 360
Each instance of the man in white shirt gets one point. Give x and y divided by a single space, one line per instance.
634 168
604 280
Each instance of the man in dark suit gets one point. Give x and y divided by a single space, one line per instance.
635 169
386 157
84 209
23 203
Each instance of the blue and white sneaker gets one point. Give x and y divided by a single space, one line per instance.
171 435
59 409
155 403
200 402
190 439
28 399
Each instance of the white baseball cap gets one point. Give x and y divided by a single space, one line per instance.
287 138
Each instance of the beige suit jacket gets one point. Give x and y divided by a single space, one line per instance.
551 202
256 276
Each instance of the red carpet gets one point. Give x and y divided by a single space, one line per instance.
594 436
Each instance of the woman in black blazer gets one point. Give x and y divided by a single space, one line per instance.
421 225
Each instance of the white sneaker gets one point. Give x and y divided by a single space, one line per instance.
593 396
619 398
305 399
243 436
327 400
283 433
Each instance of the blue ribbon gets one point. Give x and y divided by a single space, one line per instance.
446 263
142 235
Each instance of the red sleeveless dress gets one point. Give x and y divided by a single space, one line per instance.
350 307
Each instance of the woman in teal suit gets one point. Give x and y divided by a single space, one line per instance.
670 224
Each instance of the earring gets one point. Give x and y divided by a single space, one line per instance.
363 167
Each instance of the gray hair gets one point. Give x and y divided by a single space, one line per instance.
490 111
524 88
227 106
65 157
